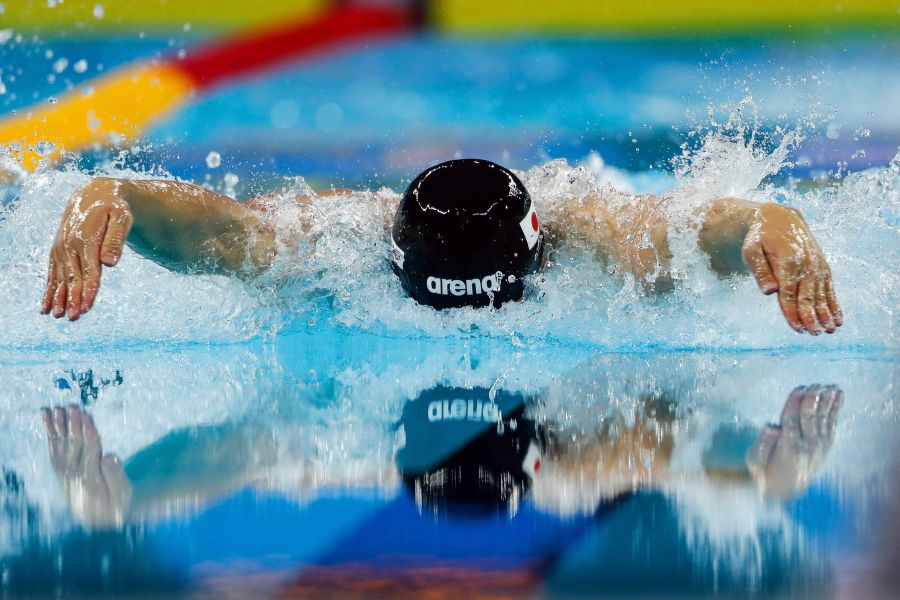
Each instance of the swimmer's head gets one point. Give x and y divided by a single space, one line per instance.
465 234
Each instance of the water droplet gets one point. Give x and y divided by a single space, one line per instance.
213 160
60 65
80 66
98 11
52 100
44 148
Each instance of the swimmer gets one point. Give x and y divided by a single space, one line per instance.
465 233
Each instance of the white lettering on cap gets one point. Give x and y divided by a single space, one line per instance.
469 287
531 227
462 410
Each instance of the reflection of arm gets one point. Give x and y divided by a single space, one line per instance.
194 466
187 467
619 457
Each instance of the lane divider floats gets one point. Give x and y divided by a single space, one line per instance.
117 107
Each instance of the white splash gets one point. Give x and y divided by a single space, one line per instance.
341 275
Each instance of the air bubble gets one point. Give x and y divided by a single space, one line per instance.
213 160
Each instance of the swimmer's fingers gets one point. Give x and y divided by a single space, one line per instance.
831 299
117 228
826 414
47 301
790 414
788 284
755 258
92 447
47 418
810 406
60 291
75 439
823 311
59 421
56 440
760 455
74 282
806 301
91 270
838 402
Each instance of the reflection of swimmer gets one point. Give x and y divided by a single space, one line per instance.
458 450
464 234
468 458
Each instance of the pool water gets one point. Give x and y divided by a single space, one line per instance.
269 468
250 439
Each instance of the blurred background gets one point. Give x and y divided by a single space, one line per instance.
318 89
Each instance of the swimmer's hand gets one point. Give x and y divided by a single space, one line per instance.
179 225
786 457
96 487
92 234
784 257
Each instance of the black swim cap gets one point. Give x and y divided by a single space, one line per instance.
465 233
463 451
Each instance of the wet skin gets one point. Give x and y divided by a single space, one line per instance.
186 227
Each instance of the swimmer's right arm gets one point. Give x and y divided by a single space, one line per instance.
178 225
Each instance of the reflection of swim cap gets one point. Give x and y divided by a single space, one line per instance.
465 232
460 449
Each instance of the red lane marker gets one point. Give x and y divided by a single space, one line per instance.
265 49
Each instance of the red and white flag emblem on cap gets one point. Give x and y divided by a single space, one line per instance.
531 227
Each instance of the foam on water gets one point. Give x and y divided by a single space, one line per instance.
342 278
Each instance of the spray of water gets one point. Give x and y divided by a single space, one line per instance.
334 270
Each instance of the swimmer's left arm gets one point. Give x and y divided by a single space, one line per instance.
774 243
